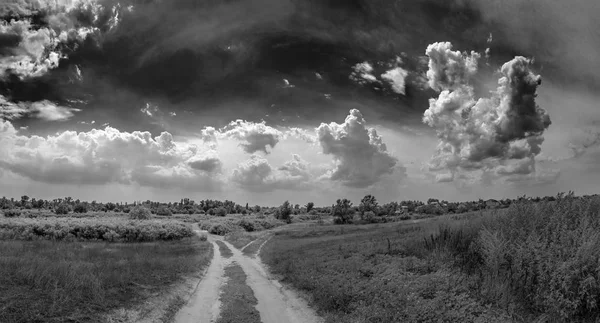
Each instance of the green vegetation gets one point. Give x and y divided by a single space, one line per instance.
140 213
237 298
108 229
531 262
56 281
231 223
225 252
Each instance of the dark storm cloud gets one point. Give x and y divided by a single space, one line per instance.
229 58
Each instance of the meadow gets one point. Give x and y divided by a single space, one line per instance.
533 262
86 267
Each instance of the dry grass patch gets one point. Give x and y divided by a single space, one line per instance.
56 281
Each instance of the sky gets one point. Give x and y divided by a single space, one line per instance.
261 101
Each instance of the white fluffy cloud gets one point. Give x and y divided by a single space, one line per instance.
502 133
45 110
257 174
108 156
254 137
363 73
396 78
359 152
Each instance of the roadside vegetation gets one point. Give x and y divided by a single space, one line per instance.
533 262
58 281
111 229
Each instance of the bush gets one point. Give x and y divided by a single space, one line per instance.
221 211
80 208
163 211
313 212
12 213
219 229
369 216
140 213
247 225
62 209
112 230
211 212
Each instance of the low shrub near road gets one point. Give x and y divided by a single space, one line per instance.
106 229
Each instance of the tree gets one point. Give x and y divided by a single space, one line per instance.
309 206
80 208
368 203
110 206
342 211
284 212
63 208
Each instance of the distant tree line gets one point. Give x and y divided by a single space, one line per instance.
343 209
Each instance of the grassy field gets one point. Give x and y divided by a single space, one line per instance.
534 262
58 269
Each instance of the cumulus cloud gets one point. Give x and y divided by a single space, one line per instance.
207 163
503 132
29 49
44 110
108 156
360 155
257 174
363 73
396 78
449 69
254 136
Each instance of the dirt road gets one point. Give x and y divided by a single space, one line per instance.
275 303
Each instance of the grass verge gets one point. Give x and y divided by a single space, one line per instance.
237 298
225 252
55 281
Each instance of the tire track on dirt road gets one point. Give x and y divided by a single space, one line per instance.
275 303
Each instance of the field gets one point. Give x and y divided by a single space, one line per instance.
86 269
534 262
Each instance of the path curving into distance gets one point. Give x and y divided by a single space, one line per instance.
274 302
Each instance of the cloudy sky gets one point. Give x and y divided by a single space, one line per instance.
261 101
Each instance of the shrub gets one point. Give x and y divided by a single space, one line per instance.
369 216
164 211
140 213
221 211
247 225
62 209
211 212
112 230
12 213
219 229
313 212
191 211
80 208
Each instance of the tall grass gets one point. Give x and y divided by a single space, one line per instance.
532 262
545 257
56 281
